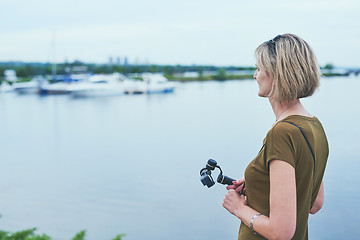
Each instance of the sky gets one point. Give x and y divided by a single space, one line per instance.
223 33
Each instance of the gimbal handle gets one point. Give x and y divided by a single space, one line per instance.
225 179
206 178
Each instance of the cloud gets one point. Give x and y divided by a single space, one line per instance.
174 32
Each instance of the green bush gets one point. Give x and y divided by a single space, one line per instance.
29 234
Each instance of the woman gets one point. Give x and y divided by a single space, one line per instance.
284 181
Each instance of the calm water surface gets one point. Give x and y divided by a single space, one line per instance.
130 164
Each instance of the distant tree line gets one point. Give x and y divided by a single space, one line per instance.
32 69
26 70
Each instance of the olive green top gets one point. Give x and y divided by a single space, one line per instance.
285 142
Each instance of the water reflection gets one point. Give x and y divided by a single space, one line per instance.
130 164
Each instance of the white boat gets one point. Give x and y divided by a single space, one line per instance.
64 86
54 88
6 87
31 86
151 83
100 85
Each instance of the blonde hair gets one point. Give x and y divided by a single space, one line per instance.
292 66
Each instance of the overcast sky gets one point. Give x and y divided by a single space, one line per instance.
175 32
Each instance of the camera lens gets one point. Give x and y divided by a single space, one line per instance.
211 164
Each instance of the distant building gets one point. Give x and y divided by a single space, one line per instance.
137 61
10 75
79 69
191 74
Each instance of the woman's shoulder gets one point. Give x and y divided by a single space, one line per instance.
300 119
282 127
290 126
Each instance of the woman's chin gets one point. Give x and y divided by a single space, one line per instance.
261 94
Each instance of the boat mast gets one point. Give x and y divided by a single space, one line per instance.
53 67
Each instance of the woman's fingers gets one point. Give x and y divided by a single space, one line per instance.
233 186
237 185
240 188
241 180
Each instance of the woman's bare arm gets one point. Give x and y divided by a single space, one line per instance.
281 223
319 201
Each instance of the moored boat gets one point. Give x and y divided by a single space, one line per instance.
99 85
31 86
151 83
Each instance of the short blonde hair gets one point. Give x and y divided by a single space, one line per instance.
292 66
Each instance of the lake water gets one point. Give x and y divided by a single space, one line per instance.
130 164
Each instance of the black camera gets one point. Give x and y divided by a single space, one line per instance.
207 180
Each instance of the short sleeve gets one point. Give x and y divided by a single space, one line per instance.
280 144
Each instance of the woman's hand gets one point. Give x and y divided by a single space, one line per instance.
238 186
234 202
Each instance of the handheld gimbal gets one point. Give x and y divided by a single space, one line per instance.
207 180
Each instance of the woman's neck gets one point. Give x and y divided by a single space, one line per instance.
283 110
